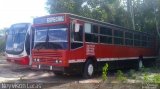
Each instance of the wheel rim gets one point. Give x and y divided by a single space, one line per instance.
140 64
90 69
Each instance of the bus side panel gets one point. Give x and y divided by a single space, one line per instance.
115 51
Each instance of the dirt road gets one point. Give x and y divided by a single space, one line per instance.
11 73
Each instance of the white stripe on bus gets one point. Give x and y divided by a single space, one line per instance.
107 59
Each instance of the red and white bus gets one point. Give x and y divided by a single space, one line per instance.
70 43
18 44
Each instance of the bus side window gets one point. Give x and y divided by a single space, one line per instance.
118 37
128 39
91 33
137 40
27 44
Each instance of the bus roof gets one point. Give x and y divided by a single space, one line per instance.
93 21
103 23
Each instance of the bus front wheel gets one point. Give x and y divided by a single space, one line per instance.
88 69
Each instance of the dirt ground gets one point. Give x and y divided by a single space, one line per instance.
11 73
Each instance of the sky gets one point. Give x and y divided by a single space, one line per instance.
16 11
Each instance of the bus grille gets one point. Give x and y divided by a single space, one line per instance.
49 57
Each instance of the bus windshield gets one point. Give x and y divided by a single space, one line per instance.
51 38
16 38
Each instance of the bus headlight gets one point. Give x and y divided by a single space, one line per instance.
38 60
58 61
34 60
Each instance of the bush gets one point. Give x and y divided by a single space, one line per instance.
151 78
131 74
105 72
120 76
156 79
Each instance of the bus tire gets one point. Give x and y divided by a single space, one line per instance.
139 65
89 69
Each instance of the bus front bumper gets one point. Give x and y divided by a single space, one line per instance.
48 67
20 61
72 68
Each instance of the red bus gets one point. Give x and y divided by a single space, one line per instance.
67 43
18 44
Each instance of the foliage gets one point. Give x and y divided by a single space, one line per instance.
65 6
143 69
142 15
145 77
120 76
151 79
105 72
103 10
131 74
2 39
156 79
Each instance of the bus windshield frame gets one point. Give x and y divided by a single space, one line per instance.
51 37
16 38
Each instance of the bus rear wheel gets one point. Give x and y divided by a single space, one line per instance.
88 69
139 64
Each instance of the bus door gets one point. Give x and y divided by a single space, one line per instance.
77 51
77 36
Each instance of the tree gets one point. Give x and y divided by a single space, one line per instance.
134 14
2 39
65 6
103 10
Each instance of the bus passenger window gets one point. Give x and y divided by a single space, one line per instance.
106 31
94 29
118 37
137 40
128 39
91 33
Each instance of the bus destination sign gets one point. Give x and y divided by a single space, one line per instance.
55 19
52 19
